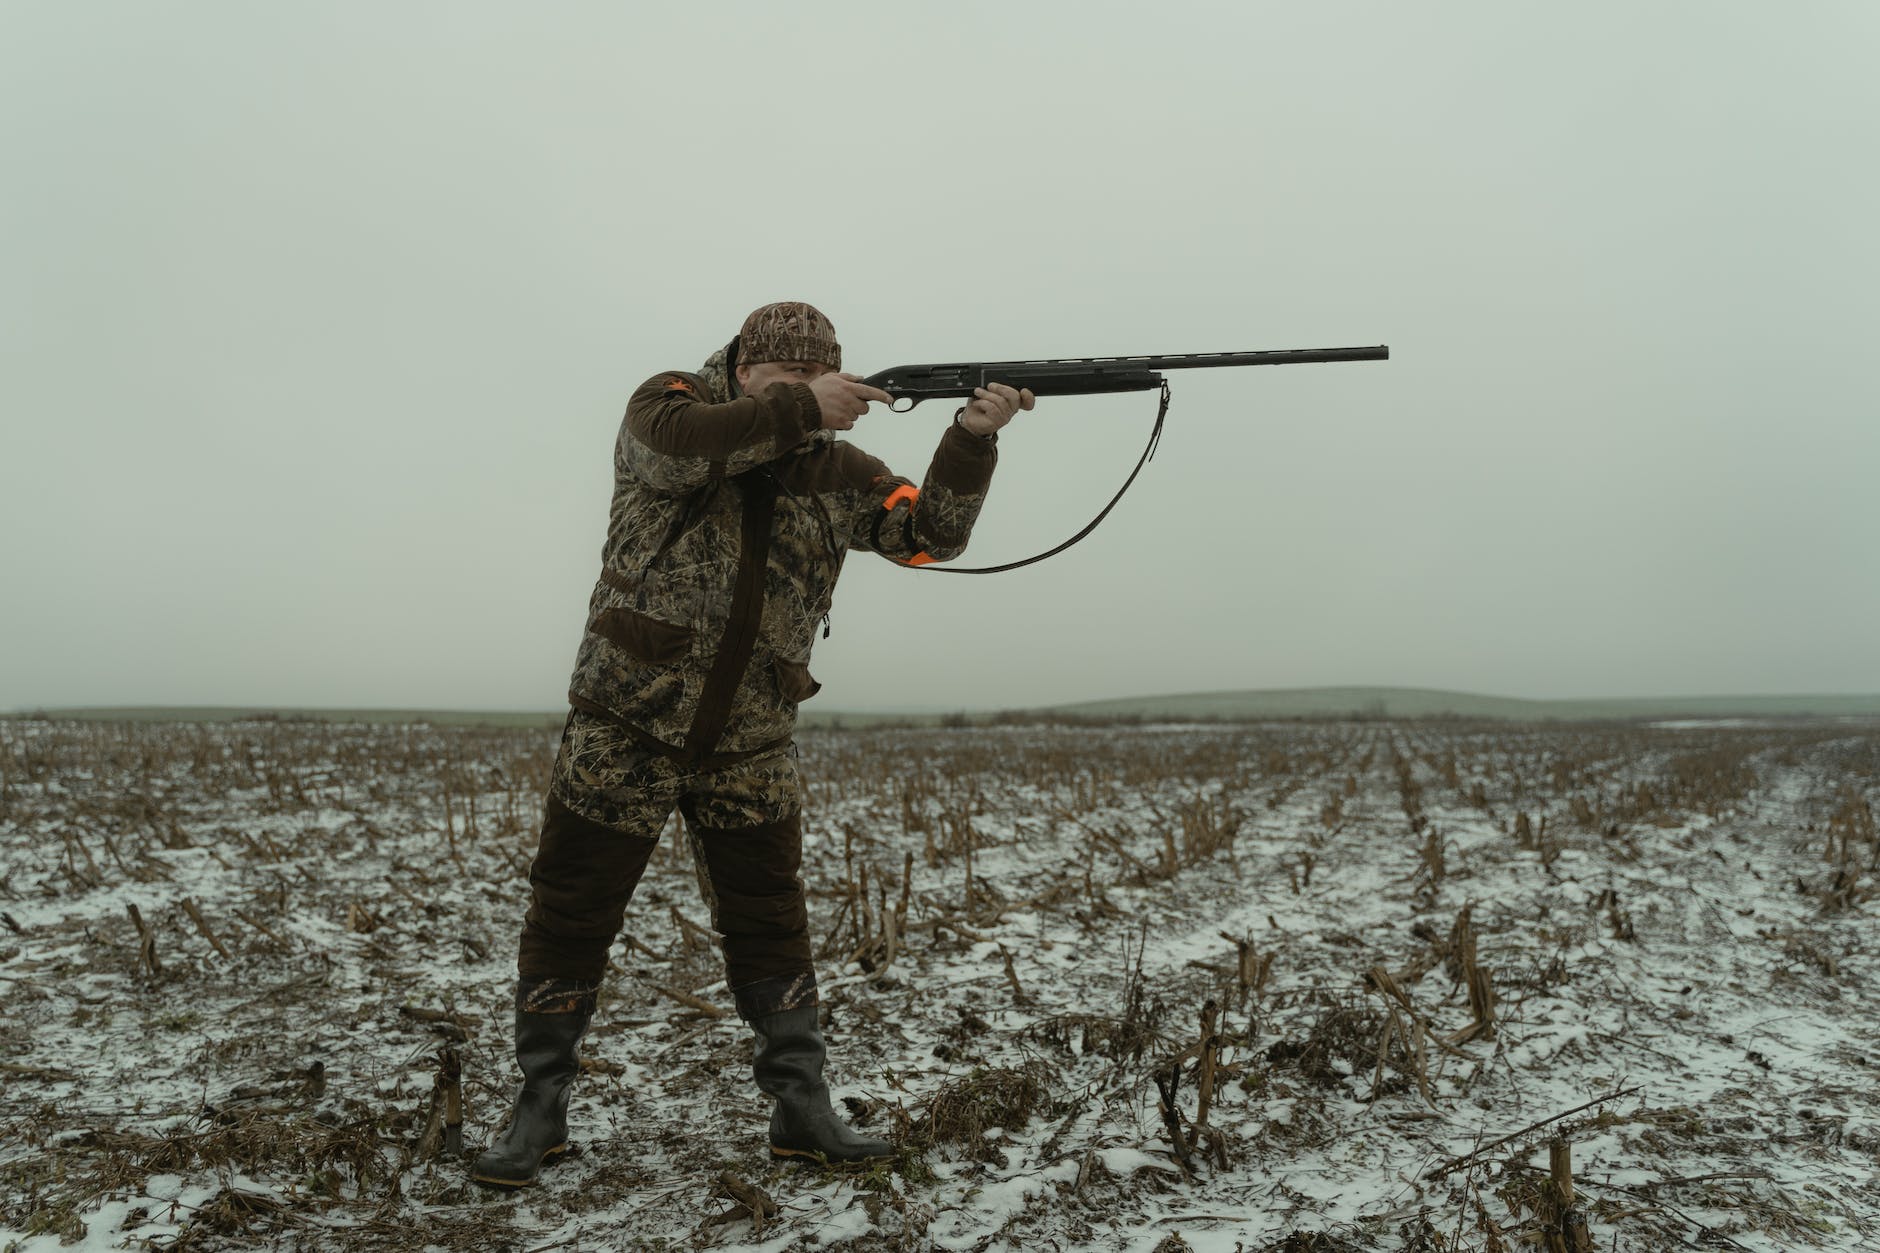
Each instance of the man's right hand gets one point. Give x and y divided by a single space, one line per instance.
844 398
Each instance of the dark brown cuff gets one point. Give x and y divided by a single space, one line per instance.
964 461
799 416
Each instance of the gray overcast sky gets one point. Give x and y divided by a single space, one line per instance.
316 323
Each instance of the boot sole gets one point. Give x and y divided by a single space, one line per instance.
812 1155
547 1157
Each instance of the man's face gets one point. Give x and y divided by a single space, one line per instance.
755 378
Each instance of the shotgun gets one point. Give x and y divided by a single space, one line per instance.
1083 376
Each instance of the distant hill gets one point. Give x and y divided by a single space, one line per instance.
1302 702
1415 702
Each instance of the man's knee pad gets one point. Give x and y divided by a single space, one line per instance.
749 877
582 877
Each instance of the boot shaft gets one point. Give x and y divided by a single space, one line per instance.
790 1053
551 1018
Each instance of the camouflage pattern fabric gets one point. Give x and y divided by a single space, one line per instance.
730 521
789 331
715 374
774 996
556 996
605 776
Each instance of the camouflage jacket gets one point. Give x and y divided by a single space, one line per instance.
731 517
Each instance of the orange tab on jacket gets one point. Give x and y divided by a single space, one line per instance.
907 492
919 559
678 385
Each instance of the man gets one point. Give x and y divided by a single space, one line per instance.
733 508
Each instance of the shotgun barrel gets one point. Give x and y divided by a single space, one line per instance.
1081 376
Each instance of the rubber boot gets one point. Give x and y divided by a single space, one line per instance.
546 1047
789 1066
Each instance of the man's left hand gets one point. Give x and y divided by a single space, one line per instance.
992 407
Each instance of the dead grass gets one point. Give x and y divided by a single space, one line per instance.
962 1112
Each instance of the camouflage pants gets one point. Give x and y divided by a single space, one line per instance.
608 801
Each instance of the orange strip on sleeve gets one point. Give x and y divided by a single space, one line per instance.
919 559
907 492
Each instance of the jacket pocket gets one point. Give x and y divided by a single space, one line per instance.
646 639
794 680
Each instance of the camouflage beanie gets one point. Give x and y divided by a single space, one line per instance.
788 331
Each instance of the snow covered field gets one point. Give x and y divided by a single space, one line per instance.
1289 986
